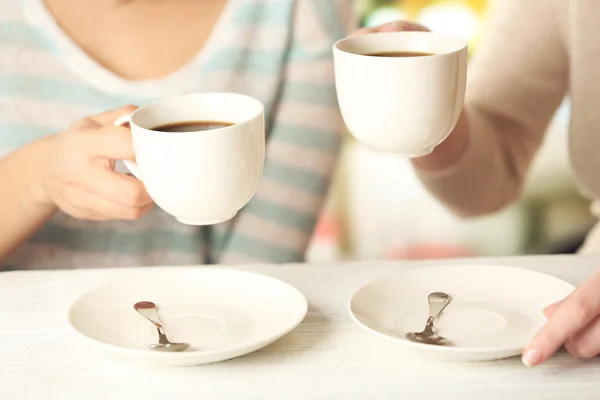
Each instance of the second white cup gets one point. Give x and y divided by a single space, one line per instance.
401 105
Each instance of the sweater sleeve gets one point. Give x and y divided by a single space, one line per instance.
304 140
517 80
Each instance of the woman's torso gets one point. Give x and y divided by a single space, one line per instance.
577 22
47 83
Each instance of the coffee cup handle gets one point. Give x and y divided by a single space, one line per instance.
131 165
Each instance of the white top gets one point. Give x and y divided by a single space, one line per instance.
326 357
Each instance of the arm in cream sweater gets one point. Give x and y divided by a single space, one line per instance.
516 82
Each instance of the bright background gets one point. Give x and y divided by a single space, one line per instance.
379 210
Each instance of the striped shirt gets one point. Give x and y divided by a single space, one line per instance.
278 51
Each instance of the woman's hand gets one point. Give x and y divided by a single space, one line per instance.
396 26
79 177
573 322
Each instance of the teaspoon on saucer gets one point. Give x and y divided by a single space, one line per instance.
437 302
147 309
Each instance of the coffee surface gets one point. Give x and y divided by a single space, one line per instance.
191 126
400 54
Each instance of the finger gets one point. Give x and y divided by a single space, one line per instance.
396 26
81 213
108 209
400 26
585 344
363 31
108 118
551 309
575 313
112 142
120 189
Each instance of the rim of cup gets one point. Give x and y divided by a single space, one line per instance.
157 103
454 44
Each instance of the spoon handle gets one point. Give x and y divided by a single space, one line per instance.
148 310
437 302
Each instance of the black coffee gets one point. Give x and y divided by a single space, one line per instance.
191 126
400 54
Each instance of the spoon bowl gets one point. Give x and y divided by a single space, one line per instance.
433 339
169 347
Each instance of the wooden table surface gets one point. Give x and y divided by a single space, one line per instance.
326 357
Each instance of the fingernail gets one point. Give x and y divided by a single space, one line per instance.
532 357
553 304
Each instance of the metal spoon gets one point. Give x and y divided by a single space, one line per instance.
147 309
437 302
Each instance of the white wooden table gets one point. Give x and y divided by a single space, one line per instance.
326 357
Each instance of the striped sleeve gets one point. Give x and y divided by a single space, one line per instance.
304 142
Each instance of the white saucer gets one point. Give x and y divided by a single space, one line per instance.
222 313
493 314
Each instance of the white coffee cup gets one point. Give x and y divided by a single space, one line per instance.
401 105
203 177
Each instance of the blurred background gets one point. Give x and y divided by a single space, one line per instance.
379 210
